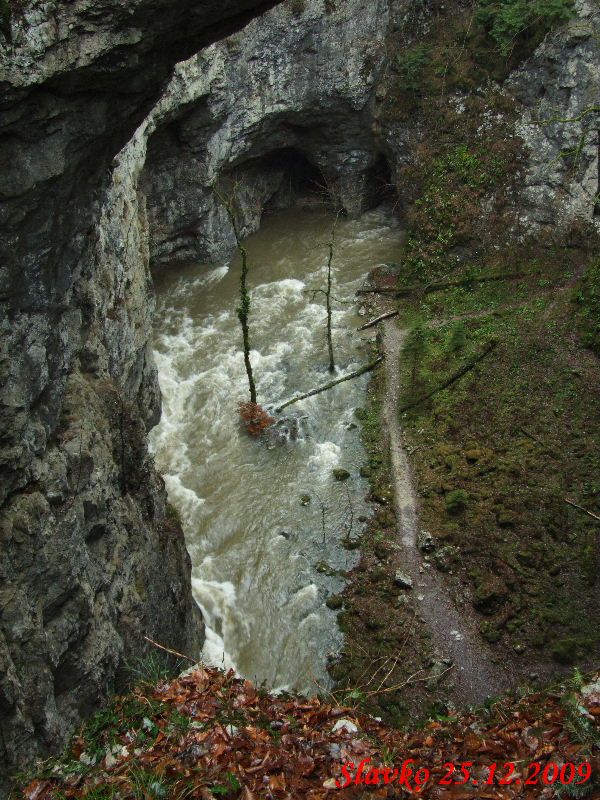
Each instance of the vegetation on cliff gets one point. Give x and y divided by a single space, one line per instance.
516 437
505 457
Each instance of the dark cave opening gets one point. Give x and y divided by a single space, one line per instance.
379 183
302 183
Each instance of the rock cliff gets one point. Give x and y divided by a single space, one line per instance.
90 559
558 91
98 180
285 104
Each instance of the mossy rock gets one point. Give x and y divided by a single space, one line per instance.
325 569
565 651
341 474
490 595
335 602
445 557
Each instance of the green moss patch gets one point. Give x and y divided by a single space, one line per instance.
499 452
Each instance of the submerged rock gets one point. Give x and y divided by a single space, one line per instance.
286 429
341 474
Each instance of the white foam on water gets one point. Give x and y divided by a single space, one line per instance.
186 500
214 653
325 457
208 278
304 598
261 596
217 601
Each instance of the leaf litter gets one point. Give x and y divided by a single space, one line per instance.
209 734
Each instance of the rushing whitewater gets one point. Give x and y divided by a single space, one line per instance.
264 559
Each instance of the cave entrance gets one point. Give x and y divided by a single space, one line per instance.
302 181
379 183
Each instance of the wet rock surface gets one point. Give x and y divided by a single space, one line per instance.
90 561
283 112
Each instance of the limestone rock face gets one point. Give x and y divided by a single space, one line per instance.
559 92
89 559
291 94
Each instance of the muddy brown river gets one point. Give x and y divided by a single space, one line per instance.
264 559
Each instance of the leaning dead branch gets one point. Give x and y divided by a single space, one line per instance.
453 378
375 321
408 291
357 373
581 508
168 650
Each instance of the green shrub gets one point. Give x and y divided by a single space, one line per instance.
588 299
411 65
509 22
456 501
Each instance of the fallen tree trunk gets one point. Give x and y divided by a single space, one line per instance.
377 319
357 373
441 285
581 508
453 378
386 290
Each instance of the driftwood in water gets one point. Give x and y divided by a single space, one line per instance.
581 508
377 319
357 373
453 378
407 291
